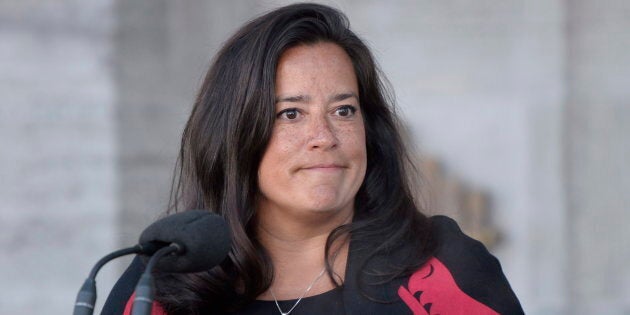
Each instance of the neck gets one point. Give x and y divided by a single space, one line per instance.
300 245
297 250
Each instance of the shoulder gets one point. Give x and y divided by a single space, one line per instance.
462 277
460 252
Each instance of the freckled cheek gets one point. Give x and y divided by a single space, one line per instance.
353 138
289 138
283 145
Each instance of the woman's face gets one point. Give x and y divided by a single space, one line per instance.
316 159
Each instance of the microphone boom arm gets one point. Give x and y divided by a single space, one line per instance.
86 298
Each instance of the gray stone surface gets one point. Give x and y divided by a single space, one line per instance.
57 196
598 147
162 51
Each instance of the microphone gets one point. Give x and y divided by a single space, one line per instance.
86 298
196 240
203 239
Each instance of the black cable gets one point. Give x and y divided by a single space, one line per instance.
116 254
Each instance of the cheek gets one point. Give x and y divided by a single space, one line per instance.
353 138
280 150
284 142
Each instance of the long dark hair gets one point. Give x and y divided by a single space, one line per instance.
227 134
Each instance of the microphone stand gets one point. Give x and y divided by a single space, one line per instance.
86 298
143 302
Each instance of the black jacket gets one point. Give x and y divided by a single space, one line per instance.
461 278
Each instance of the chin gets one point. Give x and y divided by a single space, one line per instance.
327 206
327 199
324 209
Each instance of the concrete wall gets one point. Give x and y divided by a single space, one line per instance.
162 51
523 99
598 148
58 199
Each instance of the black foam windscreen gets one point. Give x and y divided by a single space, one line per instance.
204 238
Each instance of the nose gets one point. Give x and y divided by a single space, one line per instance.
321 134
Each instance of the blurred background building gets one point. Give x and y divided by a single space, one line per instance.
524 103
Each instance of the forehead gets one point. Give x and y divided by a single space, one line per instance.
323 65
322 53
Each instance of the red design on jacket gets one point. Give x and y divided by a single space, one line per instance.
432 290
156 310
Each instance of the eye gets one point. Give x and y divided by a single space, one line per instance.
289 114
346 111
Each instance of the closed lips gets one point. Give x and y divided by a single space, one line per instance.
324 167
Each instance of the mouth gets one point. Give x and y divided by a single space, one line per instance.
324 167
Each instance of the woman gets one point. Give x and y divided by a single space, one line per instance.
294 142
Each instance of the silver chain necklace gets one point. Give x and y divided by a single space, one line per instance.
301 296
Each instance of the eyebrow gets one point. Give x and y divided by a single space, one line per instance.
343 96
306 98
293 99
